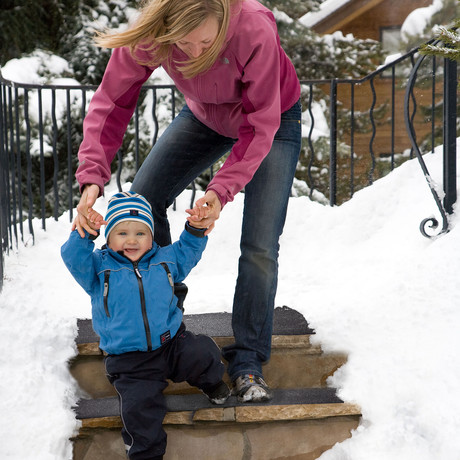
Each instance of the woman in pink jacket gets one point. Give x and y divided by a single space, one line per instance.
242 96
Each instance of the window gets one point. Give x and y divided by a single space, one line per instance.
390 37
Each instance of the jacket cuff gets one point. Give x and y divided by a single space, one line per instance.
92 237
221 193
199 232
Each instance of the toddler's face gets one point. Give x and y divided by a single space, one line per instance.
131 237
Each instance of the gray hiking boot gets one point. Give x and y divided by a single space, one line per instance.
251 388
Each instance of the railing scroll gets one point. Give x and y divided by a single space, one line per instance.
445 204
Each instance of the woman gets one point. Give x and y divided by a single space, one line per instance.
242 96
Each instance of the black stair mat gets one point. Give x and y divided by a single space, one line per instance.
109 407
286 321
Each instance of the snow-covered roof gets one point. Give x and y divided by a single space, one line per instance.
326 8
333 14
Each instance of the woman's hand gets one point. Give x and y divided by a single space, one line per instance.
205 212
86 220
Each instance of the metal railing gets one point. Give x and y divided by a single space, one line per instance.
445 204
354 133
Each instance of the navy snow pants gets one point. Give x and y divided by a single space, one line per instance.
140 378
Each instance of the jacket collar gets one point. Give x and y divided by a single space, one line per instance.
124 260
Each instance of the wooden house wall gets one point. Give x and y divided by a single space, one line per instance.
389 13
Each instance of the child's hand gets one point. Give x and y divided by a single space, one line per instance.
205 212
95 218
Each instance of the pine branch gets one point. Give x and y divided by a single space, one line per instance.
441 51
449 36
449 46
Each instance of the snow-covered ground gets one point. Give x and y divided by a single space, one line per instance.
362 275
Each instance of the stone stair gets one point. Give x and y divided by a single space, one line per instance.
304 419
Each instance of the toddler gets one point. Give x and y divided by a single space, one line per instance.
134 311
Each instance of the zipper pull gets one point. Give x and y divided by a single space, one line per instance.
168 273
136 270
106 283
106 292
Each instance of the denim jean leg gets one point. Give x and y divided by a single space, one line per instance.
265 207
181 154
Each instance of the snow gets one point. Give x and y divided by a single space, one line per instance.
41 68
362 275
281 16
326 8
28 69
418 19
391 58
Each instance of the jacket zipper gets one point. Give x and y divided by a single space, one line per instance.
170 279
148 334
106 292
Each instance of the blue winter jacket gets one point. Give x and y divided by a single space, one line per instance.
133 303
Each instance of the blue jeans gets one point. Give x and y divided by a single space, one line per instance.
183 152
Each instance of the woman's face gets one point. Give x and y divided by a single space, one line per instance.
199 39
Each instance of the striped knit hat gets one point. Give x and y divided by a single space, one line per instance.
125 206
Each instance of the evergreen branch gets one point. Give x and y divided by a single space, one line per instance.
448 48
442 51
449 36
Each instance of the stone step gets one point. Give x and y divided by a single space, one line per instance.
294 363
303 420
296 423
286 321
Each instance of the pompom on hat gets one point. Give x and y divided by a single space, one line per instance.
125 206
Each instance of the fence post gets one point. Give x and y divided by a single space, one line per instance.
333 145
450 134
3 220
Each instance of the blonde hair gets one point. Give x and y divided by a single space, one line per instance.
162 23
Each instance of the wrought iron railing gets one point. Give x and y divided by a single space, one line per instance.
449 191
354 133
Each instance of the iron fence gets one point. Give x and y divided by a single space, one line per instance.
354 132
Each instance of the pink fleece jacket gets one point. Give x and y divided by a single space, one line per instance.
242 96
